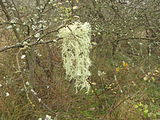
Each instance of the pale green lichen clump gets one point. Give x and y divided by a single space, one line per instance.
75 53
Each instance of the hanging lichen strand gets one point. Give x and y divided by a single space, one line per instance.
75 53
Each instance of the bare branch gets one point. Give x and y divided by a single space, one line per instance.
9 19
20 45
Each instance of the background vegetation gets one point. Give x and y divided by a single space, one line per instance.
125 81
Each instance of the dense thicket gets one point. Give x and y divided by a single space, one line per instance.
125 74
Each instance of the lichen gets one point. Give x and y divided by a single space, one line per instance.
75 53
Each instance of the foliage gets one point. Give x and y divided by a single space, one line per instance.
35 47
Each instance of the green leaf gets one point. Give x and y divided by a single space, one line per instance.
145 106
157 113
135 106
146 111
